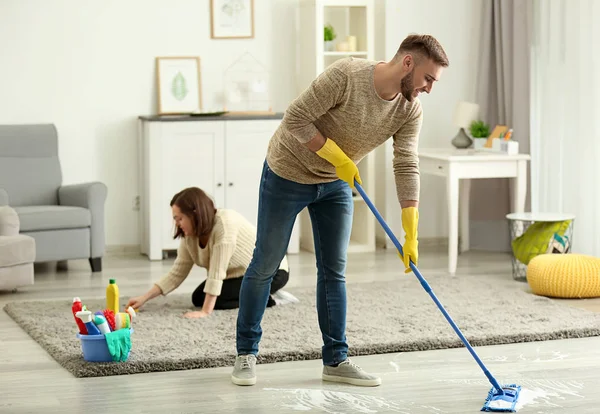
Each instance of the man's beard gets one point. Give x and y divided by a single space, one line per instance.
407 86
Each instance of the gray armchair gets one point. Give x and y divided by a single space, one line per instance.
67 222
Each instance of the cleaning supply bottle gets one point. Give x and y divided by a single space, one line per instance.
86 317
100 322
112 296
77 306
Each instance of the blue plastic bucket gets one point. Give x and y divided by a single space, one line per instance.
95 348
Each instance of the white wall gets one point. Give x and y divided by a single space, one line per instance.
88 67
456 25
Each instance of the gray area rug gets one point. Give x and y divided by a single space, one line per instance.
382 317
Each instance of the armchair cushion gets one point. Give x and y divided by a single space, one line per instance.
91 196
38 218
9 221
16 250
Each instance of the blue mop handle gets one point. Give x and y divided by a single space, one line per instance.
428 288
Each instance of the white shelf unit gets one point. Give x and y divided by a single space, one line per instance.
348 18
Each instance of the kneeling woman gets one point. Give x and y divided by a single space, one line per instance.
220 240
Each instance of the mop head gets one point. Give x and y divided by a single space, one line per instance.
504 402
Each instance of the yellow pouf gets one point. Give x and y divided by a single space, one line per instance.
564 275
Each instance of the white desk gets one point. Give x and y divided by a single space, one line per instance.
456 165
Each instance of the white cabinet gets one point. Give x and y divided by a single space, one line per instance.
222 155
246 144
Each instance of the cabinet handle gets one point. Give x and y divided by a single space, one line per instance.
219 184
230 184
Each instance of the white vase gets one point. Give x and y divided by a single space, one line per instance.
329 45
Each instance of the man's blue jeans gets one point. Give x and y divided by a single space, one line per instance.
331 208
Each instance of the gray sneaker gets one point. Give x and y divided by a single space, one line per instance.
350 373
243 370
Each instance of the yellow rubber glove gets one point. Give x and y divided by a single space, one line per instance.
344 167
410 223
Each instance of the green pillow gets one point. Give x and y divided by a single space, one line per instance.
536 238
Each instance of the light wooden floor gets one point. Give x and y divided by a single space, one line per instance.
557 376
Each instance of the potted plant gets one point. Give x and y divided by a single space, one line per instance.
480 131
329 36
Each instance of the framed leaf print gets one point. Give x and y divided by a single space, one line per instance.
178 85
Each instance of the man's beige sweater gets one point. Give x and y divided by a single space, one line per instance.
343 105
226 255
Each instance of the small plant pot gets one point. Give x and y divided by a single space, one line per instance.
479 143
329 46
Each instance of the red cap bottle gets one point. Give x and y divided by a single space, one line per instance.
76 308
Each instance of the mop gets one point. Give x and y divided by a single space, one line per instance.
499 399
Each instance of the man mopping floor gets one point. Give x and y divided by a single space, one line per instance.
349 110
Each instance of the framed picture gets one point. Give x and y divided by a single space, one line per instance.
232 19
179 85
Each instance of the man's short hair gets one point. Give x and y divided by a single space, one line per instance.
425 45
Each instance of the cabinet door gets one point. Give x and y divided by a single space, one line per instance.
191 157
245 151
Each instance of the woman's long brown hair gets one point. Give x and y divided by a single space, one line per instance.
199 207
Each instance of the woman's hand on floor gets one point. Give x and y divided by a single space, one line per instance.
195 314
136 302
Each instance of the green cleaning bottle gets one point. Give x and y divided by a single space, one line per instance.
112 296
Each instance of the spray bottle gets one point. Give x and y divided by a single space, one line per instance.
86 317
77 306
100 322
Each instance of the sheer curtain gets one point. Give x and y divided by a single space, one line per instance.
565 115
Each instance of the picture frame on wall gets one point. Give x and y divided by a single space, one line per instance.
179 89
232 19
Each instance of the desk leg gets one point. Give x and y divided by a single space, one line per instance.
452 188
465 192
519 188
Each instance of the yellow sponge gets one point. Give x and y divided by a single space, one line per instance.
564 275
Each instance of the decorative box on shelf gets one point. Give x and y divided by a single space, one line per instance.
509 147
